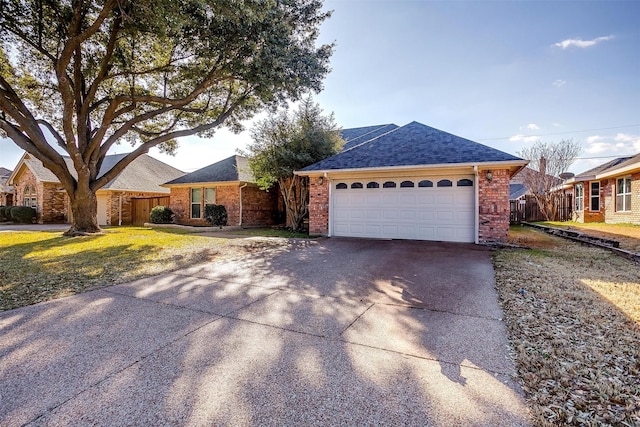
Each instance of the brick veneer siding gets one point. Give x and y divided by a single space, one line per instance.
493 206
318 206
258 206
52 203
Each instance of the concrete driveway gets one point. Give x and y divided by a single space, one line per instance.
328 332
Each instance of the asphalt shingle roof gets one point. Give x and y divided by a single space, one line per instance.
517 190
234 168
615 163
414 144
355 136
144 174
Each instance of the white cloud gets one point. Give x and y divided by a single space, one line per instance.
621 144
565 44
559 83
558 125
533 126
524 138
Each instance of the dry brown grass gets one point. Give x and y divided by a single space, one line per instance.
627 234
572 313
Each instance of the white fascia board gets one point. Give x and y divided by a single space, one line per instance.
203 184
470 166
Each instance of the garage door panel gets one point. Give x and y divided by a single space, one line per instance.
424 213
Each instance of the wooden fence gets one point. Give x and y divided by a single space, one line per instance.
141 208
527 210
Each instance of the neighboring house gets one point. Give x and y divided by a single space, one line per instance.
412 182
607 193
228 182
6 191
125 200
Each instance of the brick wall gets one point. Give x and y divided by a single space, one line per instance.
494 206
257 206
318 206
55 204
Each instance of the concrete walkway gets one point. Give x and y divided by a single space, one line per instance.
326 332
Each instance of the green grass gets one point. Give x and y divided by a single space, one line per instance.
39 266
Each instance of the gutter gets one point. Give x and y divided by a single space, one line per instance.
241 187
476 215
519 163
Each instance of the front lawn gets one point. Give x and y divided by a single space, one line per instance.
573 316
627 234
39 266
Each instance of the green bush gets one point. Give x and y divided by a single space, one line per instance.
23 214
3 216
216 214
161 215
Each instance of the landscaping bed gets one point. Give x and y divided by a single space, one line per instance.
573 316
627 235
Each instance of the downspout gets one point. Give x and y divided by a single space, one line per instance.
120 211
477 205
241 187
329 219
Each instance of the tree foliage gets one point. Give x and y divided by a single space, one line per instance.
285 143
546 162
96 73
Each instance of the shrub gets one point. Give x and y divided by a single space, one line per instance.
161 215
216 214
3 216
23 214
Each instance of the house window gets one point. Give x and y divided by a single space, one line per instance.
623 194
406 184
196 203
356 185
595 196
579 196
341 186
389 184
29 198
445 183
464 183
209 197
373 184
425 183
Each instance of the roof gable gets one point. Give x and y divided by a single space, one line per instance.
234 168
414 144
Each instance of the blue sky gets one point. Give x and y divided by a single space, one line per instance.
502 73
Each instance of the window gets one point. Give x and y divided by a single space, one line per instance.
29 198
579 196
623 194
196 202
407 184
389 184
464 183
341 186
209 196
445 183
425 183
356 185
595 196
373 184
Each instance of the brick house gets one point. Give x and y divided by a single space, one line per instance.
412 182
36 186
607 193
228 182
6 190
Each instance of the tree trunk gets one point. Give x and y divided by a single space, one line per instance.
84 208
295 192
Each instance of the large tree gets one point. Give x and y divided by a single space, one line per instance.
96 73
547 161
284 143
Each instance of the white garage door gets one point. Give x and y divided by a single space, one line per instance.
425 208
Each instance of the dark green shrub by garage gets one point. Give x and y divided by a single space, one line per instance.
22 214
216 214
161 215
3 215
